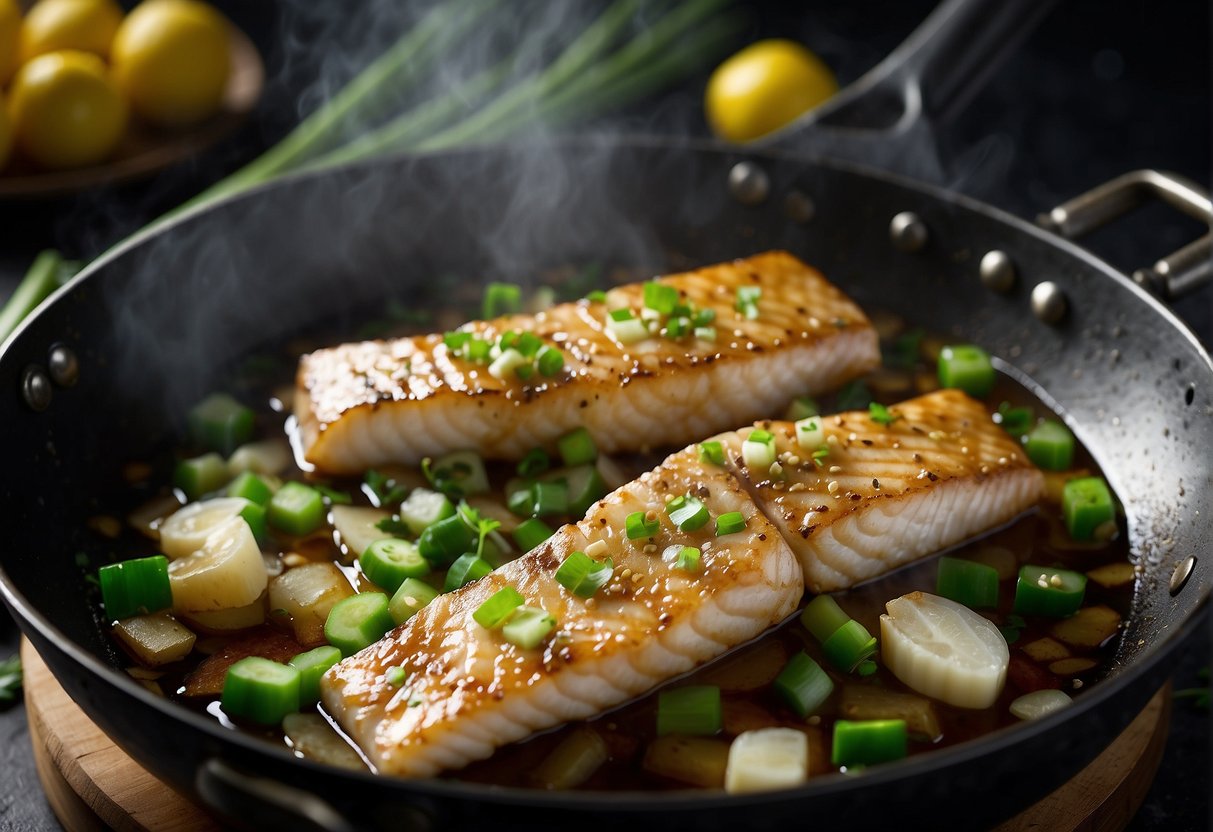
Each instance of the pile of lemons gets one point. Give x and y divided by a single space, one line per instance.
74 71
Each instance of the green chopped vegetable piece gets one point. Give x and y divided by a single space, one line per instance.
255 515
712 452
688 559
548 498
550 361
596 296
528 627
200 475
395 676
850 645
333 495
822 617
412 596
867 667
495 611
660 297
220 423
880 414
358 621
1051 446
747 300
705 333
693 710
688 513
135 587
297 509
868 742
424 508
619 315
810 434
530 533
251 487
973 584
461 473
730 522
389 561
758 451
456 341
501 299
1014 420
803 685
677 327
311 666
260 690
802 407
967 368
1086 504
465 569
582 575
703 318
638 527
479 350
528 344
446 540
11 677
577 447
524 371
583 484
1047 591
627 329
521 501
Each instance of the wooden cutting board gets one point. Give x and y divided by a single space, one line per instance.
92 785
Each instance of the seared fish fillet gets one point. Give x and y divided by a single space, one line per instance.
469 691
365 404
885 495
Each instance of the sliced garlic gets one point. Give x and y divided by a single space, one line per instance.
227 572
356 526
1039 703
186 531
769 758
944 650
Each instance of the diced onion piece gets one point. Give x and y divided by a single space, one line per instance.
307 594
1039 703
770 758
227 572
626 330
356 526
220 622
269 456
186 531
313 738
573 761
758 451
697 761
505 364
155 639
810 434
944 650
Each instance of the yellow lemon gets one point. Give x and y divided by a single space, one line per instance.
66 111
10 38
86 25
764 87
6 135
171 59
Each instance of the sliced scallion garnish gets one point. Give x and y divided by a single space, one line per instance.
688 559
758 451
711 451
134 587
549 361
967 368
660 297
501 299
849 645
495 611
260 690
530 533
730 522
582 575
688 513
802 407
297 509
810 433
803 685
528 627
867 742
973 584
577 447
466 568
693 710
638 526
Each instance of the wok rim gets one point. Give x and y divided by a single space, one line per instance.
625 800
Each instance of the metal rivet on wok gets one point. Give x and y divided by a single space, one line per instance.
799 207
36 389
1048 302
908 232
997 271
63 365
749 183
1183 571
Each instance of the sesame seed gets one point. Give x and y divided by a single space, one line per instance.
637 577
838 421
936 435
650 548
795 487
776 470
831 439
1042 583
596 549
851 437
1002 460
964 449
896 446
833 487
834 469
1055 580
625 574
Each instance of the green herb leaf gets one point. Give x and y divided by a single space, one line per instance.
1014 420
478 524
384 488
880 414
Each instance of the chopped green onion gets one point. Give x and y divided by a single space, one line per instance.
688 513
550 361
627 328
459 472
712 452
530 533
333 495
747 300
810 433
850 645
479 350
260 690
501 299
868 742
584 485
582 575
730 522
802 407
357 622
675 328
297 509
703 318
507 340
822 617
220 423
395 676
577 447
820 454
637 526
620 315
660 297
967 368
705 333
1043 590
528 627
881 415
521 501
412 596
1086 504
866 668
508 362
973 584
596 296
424 508
466 568
251 487
693 710
688 559
528 344
445 540
498 608
758 451
525 372
456 341
1014 420
200 475
389 561
548 498
255 515
311 666
803 685
135 587
1051 446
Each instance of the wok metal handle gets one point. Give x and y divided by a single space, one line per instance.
1171 277
262 803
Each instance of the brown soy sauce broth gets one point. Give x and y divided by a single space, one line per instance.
745 674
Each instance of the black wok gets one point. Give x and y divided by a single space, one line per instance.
104 373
